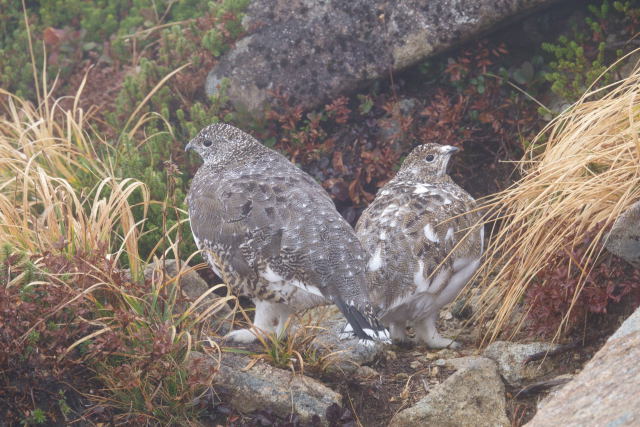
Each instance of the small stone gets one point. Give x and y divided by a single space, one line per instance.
415 364
446 315
511 358
473 396
447 353
434 371
402 376
624 238
366 372
407 105
440 362
461 309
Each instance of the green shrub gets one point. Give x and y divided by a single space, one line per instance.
128 32
581 56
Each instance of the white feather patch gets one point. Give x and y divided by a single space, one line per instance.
382 335
449 235
430 233
389 209
440 281
376 260
418 278
421 189
308 288
271 276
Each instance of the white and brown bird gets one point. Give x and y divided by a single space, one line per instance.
423 245
273 234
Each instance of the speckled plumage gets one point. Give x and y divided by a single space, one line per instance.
273 233
420 255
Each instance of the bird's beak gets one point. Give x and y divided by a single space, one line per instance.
449 149
188 147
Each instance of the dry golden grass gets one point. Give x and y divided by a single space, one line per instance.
43 151
58 196
579 174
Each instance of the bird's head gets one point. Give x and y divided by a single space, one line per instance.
220 142
428 161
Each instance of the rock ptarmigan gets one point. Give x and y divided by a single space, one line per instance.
423 247
272 233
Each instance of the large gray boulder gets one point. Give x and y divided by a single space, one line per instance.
263 387
473 396
314 50
606 392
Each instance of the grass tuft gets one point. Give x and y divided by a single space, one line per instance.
77 325
579 174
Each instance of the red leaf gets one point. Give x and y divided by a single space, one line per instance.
53 36
338 163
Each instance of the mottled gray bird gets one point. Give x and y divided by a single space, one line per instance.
273 234
423 247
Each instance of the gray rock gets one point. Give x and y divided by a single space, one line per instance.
511 358
461 309
347 354
192 286
607 391
263 387
390 126
462 363
556 385
624 237
629 327
472 396
314 50
366 372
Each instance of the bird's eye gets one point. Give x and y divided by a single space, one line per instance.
207 143
429 158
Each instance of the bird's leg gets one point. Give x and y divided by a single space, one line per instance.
283 313
398 332
244 336
427 332
267 320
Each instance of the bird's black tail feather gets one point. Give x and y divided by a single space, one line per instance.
365 326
